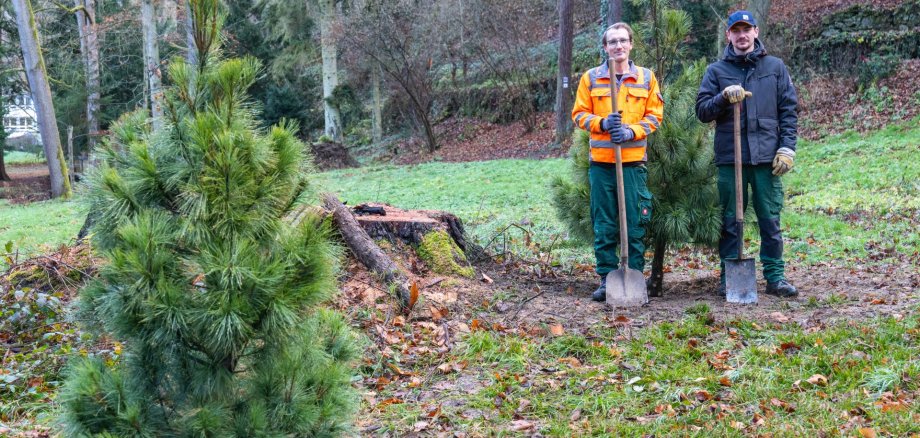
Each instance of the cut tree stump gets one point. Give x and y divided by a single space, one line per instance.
364 223
367 252
382 221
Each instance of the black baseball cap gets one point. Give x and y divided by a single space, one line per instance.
741 17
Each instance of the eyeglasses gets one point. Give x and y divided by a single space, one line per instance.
614 43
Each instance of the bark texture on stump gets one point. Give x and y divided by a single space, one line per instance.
366 251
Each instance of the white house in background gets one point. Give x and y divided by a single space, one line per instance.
19 117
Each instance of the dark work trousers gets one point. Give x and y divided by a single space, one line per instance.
604 215
766 192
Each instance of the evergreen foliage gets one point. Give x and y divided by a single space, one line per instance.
211 292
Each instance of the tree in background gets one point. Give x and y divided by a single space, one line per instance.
681 176
564 79
41 94
152 71
212 293
397 37
89 48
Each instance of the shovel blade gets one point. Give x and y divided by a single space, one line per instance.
740 281
626 288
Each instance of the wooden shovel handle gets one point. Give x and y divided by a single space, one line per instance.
739 204
621 193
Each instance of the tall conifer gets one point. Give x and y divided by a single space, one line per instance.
213 295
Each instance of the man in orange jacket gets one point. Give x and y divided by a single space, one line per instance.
641 109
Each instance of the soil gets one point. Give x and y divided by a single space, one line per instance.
331 156
29 183
529 294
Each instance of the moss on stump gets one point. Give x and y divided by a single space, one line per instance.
443 255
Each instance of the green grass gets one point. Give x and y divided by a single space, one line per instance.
852 197
19 157
34 228
488 196
691 377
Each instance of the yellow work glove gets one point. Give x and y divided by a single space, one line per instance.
734 93
783 160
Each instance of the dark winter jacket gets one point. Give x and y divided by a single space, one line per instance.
768 118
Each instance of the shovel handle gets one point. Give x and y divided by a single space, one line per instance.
621 193
739 204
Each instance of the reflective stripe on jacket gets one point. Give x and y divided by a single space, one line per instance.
639 100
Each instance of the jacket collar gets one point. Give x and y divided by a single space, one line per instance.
604 72
759 52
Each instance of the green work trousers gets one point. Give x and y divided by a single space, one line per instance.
604 215
766 193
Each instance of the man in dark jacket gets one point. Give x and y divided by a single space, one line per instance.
768 138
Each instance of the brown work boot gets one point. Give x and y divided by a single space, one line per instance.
782 289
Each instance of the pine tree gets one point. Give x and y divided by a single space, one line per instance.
681 175
213 295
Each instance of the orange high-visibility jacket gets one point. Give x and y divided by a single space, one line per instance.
639 100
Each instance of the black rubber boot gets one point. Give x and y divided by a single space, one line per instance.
782 289
600 295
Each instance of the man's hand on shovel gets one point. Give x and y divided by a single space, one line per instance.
735 93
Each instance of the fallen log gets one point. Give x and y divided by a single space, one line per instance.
367 252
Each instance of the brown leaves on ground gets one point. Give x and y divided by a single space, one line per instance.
463 139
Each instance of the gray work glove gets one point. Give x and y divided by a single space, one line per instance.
783 160
622 135
735 93
613 122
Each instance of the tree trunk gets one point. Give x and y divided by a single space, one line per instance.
3 175
761 11
166 19
656 280
367 251
152 62
377 128
563 80
191 54
89 47
41 94
333 127
614 11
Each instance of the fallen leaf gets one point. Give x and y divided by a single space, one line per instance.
725 381
556 329
621 320
446 368
817 380
786 406
575 416
523 404
420 426
487 279
896 406
413 296
522 425
382 381
572 361
866 432
434 412
438 313
390 401
475 325
703 395
779 317
399 321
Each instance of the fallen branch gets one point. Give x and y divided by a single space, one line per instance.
367 252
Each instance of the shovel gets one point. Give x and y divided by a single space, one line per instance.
740 279
625 286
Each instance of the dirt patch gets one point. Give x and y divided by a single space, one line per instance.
519 294
29 183
331 156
